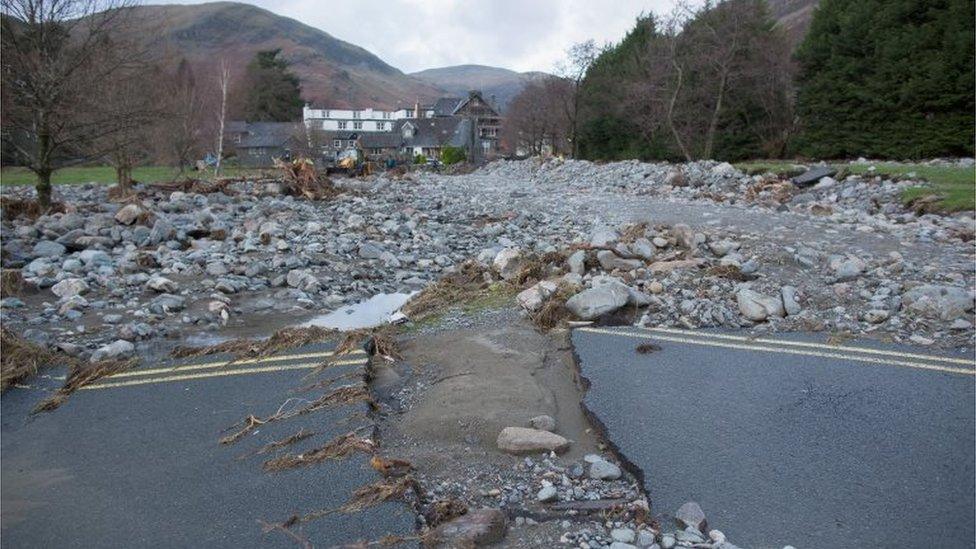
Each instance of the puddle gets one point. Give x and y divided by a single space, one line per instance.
373 312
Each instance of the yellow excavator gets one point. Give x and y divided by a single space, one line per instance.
351 162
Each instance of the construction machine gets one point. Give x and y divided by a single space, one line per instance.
351 162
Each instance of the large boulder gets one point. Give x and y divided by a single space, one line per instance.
611 261
598 301
475 528
522 440
70 287
119 348
758 307
939 302
49 248
508 262
533 298
128 214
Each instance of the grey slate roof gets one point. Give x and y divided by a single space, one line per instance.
445 106
269 134
437 132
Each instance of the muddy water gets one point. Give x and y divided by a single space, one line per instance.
373 312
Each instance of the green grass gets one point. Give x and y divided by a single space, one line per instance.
955 186
106 175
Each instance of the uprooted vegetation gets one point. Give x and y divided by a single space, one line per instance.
284 339
81 375
22 359
11 282
340 447
300 178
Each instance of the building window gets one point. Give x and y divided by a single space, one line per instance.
342 125
386 115
355 114
357 125
328 114
381 126
336 143
352 143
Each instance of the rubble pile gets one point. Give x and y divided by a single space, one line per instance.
245 254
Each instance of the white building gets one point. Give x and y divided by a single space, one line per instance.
363 120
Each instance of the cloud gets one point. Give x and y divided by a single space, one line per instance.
520 35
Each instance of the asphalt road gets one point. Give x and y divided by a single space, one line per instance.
135 461
792 443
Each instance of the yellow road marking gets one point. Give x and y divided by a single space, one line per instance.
206 365
222 373
812 345
769 349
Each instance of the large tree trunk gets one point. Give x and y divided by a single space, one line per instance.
716 114
670 117
123 173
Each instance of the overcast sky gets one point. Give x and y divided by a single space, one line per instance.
414 35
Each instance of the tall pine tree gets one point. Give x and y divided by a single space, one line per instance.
271 92
887 78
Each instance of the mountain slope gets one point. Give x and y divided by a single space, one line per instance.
332 72
793 16
503 84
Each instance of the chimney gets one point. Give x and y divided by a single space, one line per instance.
416 109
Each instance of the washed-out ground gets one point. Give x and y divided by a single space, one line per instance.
756 254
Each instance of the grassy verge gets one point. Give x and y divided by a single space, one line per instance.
106 175
955 186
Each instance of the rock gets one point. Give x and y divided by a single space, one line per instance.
939 302
610 261
622 545
643 248
543 423
624 535
716 536
49 248
668 541
162 230
161 284
724 169
676 178
603 237
508 262
128 214
655 287
645 538
668 266
532 299
690 515
604 470
659 242
576 262
790 304
723 247
813 175
758 307
93 258
685 236
70 287
547 494
522 440
473 529
876 316
847 268
598 301
368 250
119 348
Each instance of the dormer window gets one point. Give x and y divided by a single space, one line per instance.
408 130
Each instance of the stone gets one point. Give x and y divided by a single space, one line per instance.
758 307
576 262
625 535
119 348
668 541
603 237
547 494
876 316
644 248
723 247
532 299
508 262
522 440
622 545
790 303
475 528
676 178
659 242
813 175
716 536
655 287
128 214
847 268
70 287
604 470
543 423
368 250
939 302
645 539
685 236
161 284
690 515
610 261
162 230
598 301
668 266
49 248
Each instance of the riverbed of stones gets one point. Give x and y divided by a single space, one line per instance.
171 265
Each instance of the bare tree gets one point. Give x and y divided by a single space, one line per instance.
536 121
56 55
579 57
182 126
223 81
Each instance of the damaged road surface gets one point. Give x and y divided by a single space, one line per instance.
791 441
134 460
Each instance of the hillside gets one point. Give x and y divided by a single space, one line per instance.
793 16
332 71
503 84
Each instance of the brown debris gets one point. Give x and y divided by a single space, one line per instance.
337 448
237 347
11 282
284 339
452 289
21 359
647 348
390 467
301 435
731 272
81 375
15 207
554 312
378 341
444 510
302 179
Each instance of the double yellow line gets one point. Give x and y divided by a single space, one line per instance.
804 348
211 369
